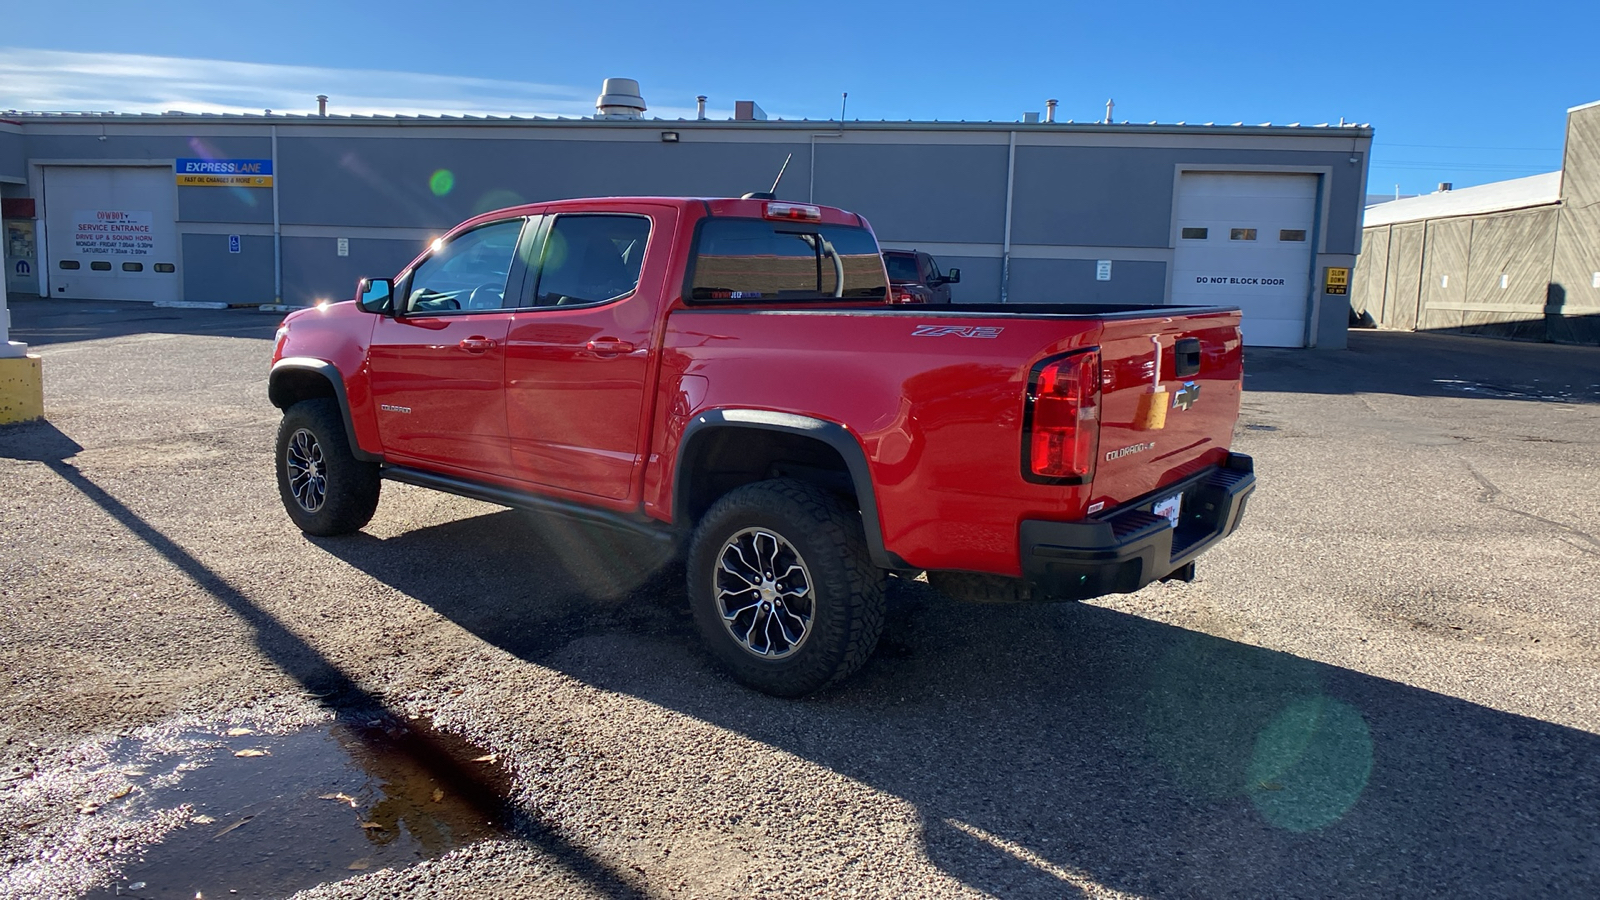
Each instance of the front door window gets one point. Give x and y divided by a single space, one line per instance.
469 273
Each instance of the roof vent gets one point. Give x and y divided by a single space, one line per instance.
1030 118
748 111
619 99
1445 186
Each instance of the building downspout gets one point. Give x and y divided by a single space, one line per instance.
1005 247
277 232
811 191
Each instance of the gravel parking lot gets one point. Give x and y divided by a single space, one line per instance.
1386 684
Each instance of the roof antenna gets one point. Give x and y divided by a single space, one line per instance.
772 194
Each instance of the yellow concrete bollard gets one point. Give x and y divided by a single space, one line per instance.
21 389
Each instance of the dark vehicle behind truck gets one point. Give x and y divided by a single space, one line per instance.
914 277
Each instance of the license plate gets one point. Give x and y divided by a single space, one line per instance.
1170 509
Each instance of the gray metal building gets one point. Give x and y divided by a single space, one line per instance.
181 207
1514 259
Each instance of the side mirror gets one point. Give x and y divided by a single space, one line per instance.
375 295
953 276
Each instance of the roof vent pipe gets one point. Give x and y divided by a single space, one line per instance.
1110 105
700 107
1050 110
322 104
619 99
1445 186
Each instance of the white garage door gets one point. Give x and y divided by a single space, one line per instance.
1245 240
111 233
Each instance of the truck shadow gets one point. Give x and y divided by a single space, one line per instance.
1064 749
352 704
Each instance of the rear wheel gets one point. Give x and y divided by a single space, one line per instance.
782 588
325 489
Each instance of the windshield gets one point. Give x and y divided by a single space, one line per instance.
901 268
756 259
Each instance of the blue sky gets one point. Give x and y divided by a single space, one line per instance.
1458 92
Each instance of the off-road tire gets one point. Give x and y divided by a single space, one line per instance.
847 590
351 485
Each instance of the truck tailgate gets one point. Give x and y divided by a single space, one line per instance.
1143 449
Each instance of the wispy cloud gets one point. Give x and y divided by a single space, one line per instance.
62 80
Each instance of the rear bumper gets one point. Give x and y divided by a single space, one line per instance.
1127 548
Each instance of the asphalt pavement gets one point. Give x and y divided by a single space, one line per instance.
1387 683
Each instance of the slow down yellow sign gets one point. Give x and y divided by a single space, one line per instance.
1337 281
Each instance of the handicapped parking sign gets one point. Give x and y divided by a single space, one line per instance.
233 243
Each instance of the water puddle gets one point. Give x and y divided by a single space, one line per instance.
271 814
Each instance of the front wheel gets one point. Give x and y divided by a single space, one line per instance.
782 588
325 489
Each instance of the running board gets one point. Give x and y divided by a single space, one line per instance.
503 496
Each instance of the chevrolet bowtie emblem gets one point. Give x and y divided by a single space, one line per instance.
1186 396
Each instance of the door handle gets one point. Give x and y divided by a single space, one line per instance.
609 346
476 344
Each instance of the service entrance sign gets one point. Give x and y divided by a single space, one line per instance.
113 232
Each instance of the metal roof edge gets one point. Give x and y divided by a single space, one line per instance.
1573 109
1463 215
1318 131
1527 192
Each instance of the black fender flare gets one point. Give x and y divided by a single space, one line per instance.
335 379
831 433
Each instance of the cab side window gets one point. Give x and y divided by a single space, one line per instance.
591 259
469 273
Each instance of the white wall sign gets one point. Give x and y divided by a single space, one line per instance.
1102 270
113 232
344 246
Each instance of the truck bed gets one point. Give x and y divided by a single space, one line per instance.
936 396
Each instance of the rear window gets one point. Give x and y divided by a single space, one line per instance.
754 259
901 268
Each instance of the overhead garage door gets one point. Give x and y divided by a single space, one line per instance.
1245 240
111 233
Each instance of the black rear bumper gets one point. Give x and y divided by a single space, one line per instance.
1127 548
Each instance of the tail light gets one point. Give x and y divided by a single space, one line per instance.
798 212
904 297
1061 433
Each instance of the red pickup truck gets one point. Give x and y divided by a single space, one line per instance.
731 378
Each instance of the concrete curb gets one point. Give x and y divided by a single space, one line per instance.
189 304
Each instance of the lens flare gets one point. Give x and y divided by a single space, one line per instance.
499 198
442 182
1311 764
